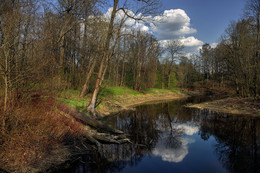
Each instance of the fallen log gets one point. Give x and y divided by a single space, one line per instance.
87 120
95 131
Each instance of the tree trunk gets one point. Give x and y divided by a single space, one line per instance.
6 77
237 87
92 104
92 128
61 60
5 92
122 74
123 66
88 74
104 62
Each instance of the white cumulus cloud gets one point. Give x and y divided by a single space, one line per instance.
214 45
119 16
191 41
191 44
175 24
172 24
130 23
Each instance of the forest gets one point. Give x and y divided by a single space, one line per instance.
48 47
52 47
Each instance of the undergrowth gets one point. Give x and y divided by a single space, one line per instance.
33 137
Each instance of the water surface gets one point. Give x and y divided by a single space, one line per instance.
168 137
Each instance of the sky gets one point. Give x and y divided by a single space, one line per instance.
209 17
192 22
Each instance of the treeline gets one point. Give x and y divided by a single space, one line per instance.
235 62
71 44
55 45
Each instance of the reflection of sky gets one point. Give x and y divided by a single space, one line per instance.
176 154
188 129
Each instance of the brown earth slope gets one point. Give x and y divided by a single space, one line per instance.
232 105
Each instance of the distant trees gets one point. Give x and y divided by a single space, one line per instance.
135 62
166 73
235 61
206 53
144 53
242 57
187 73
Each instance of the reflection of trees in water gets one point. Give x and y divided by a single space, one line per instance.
238 138
237 148
97 161
238 141
173 139
171 146
142 126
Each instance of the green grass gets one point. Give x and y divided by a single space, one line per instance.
108 92
175 91
79 104
72 99
159 91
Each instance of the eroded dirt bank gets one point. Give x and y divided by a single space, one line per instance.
124 103
235 105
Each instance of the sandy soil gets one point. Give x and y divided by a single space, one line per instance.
232 105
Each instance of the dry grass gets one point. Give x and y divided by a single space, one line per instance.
33 135
246 106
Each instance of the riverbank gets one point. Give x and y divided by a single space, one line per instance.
115 99
36 135
233 105
42 132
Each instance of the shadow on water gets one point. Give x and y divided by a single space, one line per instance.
168 137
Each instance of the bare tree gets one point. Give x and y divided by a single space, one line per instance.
145 7
174 49
15 21
252 13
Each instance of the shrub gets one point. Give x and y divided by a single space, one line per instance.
33 135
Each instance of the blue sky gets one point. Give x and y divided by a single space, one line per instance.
209 17
192 22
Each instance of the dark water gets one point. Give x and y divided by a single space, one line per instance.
167 137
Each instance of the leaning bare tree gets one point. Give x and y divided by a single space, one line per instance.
141 7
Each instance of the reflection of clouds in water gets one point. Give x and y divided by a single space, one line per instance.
187 129
179 153
171 155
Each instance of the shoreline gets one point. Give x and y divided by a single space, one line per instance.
122 104
236 106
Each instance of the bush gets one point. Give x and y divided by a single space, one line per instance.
33 135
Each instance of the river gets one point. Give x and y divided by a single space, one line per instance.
168 137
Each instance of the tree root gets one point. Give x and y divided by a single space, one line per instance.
95 132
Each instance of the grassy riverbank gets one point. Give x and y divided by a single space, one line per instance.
113 99
40 133
233 105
